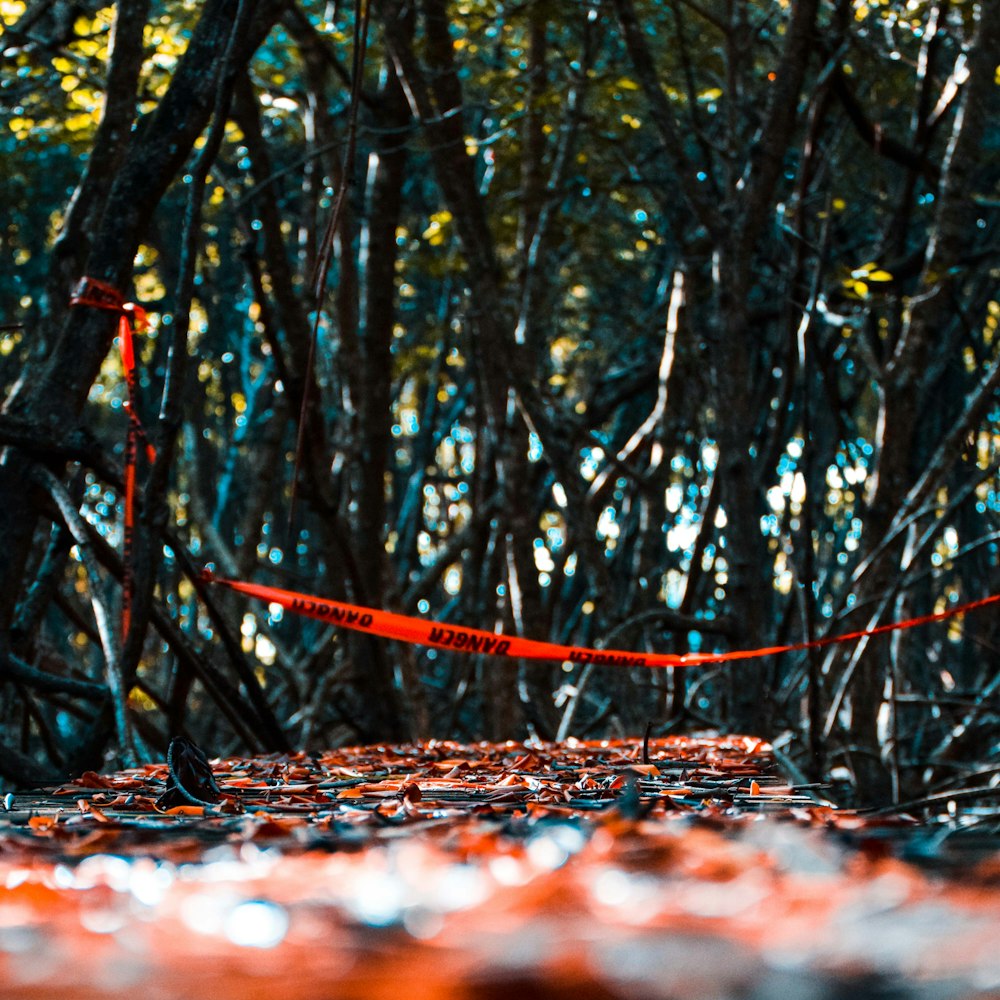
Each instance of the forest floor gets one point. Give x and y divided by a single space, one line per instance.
440 871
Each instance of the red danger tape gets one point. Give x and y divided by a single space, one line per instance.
405 628
131 317
131 320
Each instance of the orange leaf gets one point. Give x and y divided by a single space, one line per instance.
451 765
512 780
185 811
647 769
91 779
89 809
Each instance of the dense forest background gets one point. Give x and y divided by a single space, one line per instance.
655 324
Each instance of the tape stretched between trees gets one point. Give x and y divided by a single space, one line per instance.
406 628
131 321
389 625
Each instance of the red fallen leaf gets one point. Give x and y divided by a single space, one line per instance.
511 781
89 809
412 810
275 827
381 787
349 793
44 825
344 771
185 811
112 803
647 769
545 809
754 788
527 762
390 810
411 792
91 779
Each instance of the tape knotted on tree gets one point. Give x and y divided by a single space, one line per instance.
132 319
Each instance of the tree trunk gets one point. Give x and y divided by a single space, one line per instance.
52 390
904 388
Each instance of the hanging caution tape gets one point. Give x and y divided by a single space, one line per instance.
389 625
405 628
131 320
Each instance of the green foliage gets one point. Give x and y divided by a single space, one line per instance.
831 284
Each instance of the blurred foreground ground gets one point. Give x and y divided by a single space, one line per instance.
441 871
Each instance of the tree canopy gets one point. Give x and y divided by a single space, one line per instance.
650 324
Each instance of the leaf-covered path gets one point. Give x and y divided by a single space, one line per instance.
455 872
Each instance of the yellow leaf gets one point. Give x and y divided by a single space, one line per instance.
85 99
140 701
86 47
77 122
880 276
11 9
